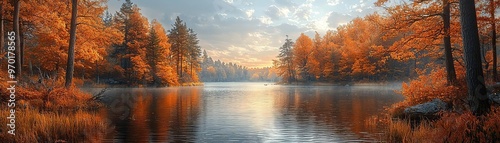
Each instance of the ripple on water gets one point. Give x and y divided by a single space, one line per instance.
249 112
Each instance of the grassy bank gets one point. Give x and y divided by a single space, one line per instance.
33 125
457 124
451 127
48 112
192 84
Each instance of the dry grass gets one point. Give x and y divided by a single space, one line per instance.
402 131
192 84
35 126
48 112
452 127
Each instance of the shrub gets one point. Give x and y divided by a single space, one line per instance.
434 85
428 87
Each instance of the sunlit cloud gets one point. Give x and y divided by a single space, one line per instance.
250 32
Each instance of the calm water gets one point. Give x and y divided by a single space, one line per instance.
246 112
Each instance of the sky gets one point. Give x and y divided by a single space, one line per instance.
250 32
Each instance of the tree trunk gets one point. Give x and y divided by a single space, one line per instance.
450 67
16 5
126 60
22 43
2 49
97 71
180 57
31 67
178 61
72 40
478 100
494 39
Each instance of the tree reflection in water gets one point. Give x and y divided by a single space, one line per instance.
248 112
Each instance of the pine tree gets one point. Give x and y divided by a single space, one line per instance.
131 51
157 52
194 51
179 39
285 64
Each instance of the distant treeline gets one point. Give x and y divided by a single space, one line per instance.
218 71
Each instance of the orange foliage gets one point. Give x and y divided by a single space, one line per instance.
302 50
167 75
73 98
434 85
452 127
354 52
418 29
158 53
48 50
141 70
316 60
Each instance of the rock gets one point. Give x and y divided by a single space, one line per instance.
426 110
495 98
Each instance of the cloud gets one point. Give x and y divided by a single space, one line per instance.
250 12
265 20
304 12
336 19
250 32
276 12
285 3
333 2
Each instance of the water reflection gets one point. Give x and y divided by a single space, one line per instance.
155 114
331 114
246 112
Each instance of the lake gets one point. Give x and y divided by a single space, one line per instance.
247 112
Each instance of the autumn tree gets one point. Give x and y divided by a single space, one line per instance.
449 62
285 62
493 6
355 52
302 51
17 4
46 34
478 100
72 40
488 27
330 42
157 52
318 58
132 51
416 22
2 49
360 40
48 47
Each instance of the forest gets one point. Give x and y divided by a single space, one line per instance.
218 71
412 39
123 48
440 49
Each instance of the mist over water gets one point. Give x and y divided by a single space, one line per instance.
253 112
